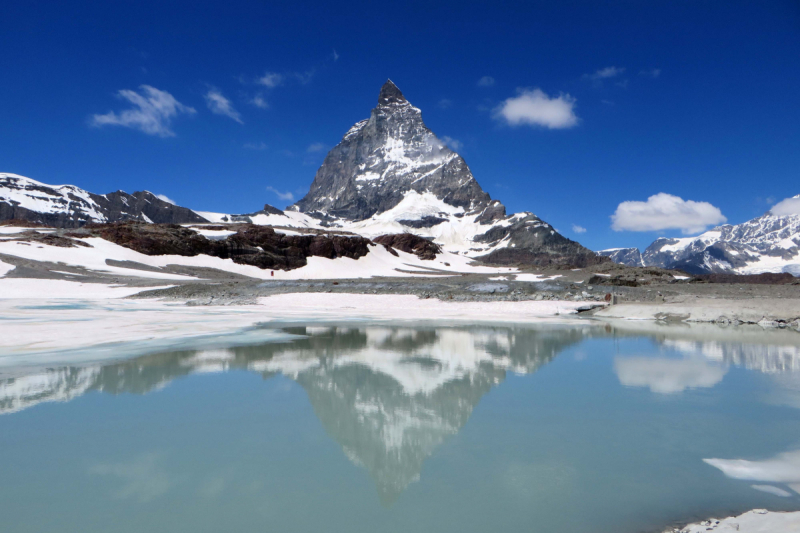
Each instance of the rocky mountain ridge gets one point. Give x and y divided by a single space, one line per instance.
68 206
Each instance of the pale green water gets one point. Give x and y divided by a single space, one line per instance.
411 429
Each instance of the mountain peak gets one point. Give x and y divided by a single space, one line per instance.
390 94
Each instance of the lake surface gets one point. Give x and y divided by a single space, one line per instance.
589 428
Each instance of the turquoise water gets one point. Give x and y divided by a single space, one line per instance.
590 428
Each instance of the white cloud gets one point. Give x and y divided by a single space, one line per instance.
165 198
285 196
256 146
271 79
454 144
152 112
445 103
578 229
534 108
335 56
220 105
651 73
789 206
665 211
486 81
605 73
667 376
316 147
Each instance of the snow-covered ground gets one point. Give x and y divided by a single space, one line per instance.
755 521
377 263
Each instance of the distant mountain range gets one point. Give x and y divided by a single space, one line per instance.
389 174
768 243
67 206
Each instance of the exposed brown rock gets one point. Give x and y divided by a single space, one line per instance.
258 246
411 244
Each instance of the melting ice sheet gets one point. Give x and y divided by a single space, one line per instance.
580 427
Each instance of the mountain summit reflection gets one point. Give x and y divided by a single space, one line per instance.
390 396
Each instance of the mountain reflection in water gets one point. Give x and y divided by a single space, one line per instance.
389 396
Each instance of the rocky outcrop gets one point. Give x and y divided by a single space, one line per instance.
411 244
253 245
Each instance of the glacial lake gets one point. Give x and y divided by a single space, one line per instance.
581 428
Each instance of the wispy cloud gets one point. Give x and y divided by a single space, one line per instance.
316 147
578 229
486 81
256 146
532 107
165 198
304 77
454 144
259 101
152 112
665 211
650 73
219 105
445 103
271 79
285 196
604 73
335 56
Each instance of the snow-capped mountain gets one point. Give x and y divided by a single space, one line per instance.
391 174
67 206
624 256
769 243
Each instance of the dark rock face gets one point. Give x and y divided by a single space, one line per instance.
258 246
624 256
411 244
385 156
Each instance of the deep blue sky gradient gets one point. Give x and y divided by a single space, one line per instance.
720 124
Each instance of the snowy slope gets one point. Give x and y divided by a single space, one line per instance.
95 257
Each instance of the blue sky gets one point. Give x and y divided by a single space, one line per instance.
696 99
